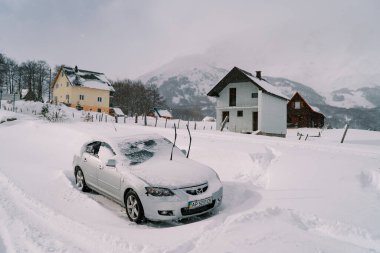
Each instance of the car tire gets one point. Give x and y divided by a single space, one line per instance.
80 182
133 207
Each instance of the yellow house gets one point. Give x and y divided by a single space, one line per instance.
82 89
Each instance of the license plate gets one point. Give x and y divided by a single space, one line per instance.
199 203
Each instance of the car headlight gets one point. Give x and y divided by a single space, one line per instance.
158 191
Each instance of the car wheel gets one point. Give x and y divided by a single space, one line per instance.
134 207
80 182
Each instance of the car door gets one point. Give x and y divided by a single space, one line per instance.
90 163
109 179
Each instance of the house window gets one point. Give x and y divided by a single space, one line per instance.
254 95
240 113
99 99
224 115
67 84
99 110
297 105
67 98
81 97
232 96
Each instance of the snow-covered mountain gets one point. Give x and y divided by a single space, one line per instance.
185 82
365 97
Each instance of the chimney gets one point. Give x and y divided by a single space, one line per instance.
258 74
76 69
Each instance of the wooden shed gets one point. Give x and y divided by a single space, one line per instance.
302 114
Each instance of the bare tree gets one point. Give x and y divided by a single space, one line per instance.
134 97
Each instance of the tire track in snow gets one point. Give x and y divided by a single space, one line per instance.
28 226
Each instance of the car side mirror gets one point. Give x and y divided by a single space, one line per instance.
111 163
184 151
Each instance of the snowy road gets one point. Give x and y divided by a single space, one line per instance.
281 195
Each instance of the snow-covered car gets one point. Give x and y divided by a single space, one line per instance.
137 173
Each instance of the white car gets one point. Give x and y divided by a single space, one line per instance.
137 173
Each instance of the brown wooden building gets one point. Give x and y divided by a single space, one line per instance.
301 114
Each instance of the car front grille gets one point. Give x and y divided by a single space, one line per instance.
196 190
186 211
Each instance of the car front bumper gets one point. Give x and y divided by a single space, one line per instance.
176 207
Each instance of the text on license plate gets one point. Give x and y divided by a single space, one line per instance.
200 202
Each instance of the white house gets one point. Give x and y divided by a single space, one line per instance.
251 104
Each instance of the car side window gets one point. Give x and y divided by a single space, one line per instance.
105 152
93 148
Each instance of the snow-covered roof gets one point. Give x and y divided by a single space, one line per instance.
86 78
208 119
242 75
265 85
118 111
316 109
162 113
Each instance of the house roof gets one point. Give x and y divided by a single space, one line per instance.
86 78
162 113
312 108
118 111
240 75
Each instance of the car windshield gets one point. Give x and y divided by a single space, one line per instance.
140 151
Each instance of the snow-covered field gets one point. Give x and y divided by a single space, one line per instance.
280 195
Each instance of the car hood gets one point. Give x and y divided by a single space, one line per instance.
178 173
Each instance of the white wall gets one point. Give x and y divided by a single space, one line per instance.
243 95
272 114
271 110
244 99
237 124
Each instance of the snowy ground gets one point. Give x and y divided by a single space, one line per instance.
281 195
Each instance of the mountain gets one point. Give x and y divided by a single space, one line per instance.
185 82
288 88
365 97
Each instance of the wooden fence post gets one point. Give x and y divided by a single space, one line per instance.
136 118
166 121
155 124
345 132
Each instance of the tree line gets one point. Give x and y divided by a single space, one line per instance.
36 76
33 75
135 97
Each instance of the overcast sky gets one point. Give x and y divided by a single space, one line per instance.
320 43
